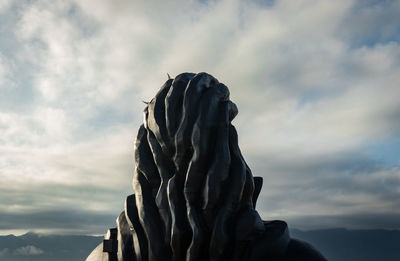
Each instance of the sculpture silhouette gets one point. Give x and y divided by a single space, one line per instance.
194 195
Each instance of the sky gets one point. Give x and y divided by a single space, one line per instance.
316 84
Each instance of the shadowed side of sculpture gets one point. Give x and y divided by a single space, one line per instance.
190 180
194 195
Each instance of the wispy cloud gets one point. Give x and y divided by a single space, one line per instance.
4 251
28 251
316 83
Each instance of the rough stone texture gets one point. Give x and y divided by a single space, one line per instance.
195 196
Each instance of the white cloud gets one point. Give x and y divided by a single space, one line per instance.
4 4
4 251
4 71
28 251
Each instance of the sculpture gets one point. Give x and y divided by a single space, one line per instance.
194 195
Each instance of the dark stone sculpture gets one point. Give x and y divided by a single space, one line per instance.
194 196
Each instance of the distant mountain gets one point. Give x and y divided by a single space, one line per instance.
354 245
335 244
34 247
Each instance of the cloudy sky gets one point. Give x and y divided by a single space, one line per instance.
316 84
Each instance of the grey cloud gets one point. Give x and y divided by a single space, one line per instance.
352 161
376 22
22 198
364 220
65 221
335 188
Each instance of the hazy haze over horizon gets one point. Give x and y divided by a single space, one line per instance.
316 83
